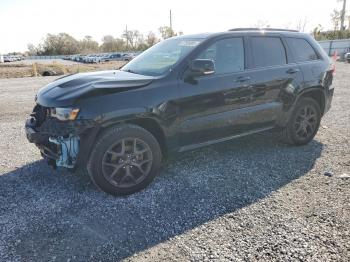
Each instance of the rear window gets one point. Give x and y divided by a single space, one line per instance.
268 51
303 51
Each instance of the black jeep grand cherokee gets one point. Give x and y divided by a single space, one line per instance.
181 94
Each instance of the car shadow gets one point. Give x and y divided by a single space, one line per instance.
57 214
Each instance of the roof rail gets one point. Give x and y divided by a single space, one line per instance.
262 29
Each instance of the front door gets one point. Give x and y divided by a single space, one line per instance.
212 107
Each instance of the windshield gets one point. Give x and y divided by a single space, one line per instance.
161 57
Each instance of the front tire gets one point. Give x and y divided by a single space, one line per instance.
304 122
124 160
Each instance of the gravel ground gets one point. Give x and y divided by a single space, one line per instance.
249 199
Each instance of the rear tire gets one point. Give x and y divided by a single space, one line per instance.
303 124
124 160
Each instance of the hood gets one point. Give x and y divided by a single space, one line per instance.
66 90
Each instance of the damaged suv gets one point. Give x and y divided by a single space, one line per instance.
183 93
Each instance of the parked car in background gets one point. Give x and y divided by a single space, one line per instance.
114 57
118 125
101 57
347 57
127 57
8 59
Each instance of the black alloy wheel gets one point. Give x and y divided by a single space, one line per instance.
124 160
304 122
127 162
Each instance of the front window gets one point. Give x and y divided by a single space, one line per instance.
227 55
162 57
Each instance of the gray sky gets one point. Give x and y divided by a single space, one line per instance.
28 21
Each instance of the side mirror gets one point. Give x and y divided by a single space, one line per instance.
202 67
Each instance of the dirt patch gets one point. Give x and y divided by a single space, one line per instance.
16 70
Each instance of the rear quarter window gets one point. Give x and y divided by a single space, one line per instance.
268 51
302 50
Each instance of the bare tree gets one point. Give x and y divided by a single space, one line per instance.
131 37
301 24
151 39
33 50
166 32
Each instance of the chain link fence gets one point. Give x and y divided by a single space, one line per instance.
339 47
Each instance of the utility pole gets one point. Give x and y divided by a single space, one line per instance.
126 37
171 22
342 17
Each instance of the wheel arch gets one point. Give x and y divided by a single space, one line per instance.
150 124
316 93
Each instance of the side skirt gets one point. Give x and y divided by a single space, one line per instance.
211 142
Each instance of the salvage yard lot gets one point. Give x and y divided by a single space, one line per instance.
248 199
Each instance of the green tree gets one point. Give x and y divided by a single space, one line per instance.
61 44
88 45
111 44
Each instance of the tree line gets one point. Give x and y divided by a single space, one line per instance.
340 30
133 40
130 40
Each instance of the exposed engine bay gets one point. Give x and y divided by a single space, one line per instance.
68 149
58 141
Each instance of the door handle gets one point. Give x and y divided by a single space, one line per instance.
242 79
292 70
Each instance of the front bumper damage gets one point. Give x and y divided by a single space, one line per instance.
61 143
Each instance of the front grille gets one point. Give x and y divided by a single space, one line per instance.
55 127
39 114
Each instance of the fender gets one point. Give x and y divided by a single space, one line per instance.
308 92
122 115
133 115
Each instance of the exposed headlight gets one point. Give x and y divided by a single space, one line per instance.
65 114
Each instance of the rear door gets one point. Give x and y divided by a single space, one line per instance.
273 77
308 60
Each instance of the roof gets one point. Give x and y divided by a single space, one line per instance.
245 31
263 29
